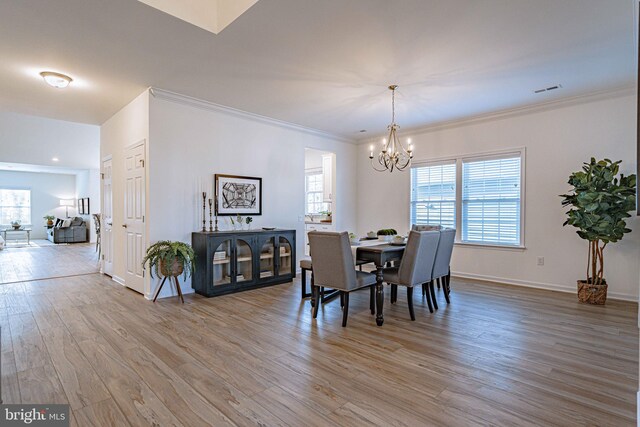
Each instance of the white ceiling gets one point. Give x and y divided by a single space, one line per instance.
321 64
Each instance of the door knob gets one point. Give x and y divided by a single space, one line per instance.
124 225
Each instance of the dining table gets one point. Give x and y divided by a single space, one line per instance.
380 254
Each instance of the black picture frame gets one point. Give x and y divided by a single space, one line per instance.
83 206
248 201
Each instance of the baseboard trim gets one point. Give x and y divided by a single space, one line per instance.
118 280
536 285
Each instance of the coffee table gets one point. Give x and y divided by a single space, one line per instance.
19 230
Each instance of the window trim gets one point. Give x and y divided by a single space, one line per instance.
30 190
485 155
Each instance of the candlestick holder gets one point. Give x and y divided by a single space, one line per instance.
204 210
216 213
210 215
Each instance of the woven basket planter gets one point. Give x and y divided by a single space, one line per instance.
174 270
592 294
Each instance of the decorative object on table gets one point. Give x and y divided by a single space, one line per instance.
600 201
170 259
210 215
16 224
66 203
372 235
248 220
268 228
238 195
398 240
354 239
204 210
393 154
49 219
386 234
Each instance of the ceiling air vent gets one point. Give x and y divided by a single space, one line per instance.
547 89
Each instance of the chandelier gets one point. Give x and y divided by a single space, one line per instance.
393 154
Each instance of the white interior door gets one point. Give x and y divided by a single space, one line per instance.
106 239
134 201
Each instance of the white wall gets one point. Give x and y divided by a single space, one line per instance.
128 126
189 145
88 185
46 191
36 140
557 142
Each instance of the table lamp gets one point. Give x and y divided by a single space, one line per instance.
66 203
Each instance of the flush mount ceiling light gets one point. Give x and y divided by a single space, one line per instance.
55 159
56 80
393 154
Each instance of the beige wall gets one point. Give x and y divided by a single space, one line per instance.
557 141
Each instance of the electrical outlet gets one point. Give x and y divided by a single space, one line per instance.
300 218
540 260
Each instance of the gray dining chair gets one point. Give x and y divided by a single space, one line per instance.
333 267
441 267
427 227
416 265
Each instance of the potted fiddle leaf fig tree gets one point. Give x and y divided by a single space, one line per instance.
599 203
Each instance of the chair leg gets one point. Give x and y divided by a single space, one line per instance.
428 296
158 290
424 289
313 301
303 282
445 288
316 297
345 311
410 302
341 299
394 293
438 282
372 299
433 294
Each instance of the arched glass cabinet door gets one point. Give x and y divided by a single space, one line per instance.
244 261
222 264
267 259
285 257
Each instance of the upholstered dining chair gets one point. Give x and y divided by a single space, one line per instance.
416 265
333 267
441 266
427 227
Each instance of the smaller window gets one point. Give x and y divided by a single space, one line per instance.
433 195
15 205
314 194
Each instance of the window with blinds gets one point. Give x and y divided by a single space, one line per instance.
491 193
15 205
433 194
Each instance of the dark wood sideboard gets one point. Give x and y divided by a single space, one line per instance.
234 261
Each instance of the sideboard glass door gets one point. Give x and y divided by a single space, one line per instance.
222 264
267 259
285 266
244 261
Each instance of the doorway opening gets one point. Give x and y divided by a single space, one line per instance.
319 192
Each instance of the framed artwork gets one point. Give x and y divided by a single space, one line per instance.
238 195
83 206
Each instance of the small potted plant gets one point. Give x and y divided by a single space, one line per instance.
16 224
170 259
600 202
248 220
386 234
49 219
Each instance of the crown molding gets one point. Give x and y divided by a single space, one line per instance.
620 91
211 106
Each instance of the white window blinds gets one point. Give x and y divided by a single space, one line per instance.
433 194
491 192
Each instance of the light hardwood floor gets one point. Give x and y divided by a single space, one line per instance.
19 264
498 355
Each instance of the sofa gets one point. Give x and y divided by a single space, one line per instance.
75 231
